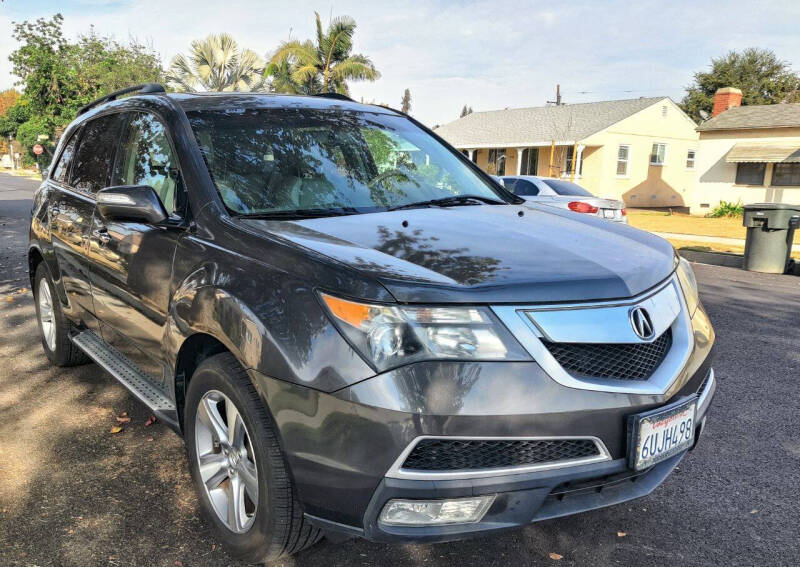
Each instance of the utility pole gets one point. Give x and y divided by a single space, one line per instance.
557 101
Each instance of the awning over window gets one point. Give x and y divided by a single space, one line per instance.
763 153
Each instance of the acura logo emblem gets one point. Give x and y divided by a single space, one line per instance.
641 323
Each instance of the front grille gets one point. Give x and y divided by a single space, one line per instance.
625 361
475 454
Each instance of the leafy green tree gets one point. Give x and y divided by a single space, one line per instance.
466 110
28 134
321 66
405 104
216 64
758 73
58 77
42 62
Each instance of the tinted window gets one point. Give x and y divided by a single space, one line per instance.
146 158
92 163
567 188
267 161
750 173
521 187
786 174
61 170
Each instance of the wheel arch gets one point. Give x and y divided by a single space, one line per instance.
35 257
192 352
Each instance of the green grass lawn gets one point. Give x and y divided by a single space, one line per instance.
656 221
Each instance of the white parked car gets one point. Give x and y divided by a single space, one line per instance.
565 195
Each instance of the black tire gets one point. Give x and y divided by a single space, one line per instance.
64 352
279 528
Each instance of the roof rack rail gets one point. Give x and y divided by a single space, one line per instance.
144 88
337 96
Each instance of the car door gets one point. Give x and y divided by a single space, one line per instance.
133 267
84 168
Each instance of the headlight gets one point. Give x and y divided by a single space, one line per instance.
688 285
390 335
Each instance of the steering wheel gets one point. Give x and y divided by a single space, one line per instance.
386 175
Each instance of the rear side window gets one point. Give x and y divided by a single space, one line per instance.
61 170
521 187
146 158
93 158
567 188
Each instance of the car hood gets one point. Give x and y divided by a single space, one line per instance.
486 254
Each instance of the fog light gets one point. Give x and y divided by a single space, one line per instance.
435 512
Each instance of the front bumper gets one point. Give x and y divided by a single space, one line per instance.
340 446
520 498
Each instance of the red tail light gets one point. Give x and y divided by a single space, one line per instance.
624 212
581 207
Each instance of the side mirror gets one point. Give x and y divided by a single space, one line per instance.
131 203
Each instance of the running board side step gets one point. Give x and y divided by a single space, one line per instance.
129 375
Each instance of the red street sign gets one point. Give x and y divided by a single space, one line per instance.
38 149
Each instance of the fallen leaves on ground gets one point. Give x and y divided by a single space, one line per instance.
621 534
150 421
556 557
123 417
116 429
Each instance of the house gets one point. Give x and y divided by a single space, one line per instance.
640 150
747 153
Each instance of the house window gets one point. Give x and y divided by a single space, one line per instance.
497 161
658 154
664 111
623 153
786 174
570 159
690 159
750 173
530 161
475 156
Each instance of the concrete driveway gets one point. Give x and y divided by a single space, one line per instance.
74 494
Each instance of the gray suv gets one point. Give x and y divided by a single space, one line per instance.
355 329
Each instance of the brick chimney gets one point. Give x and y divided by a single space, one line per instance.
725 98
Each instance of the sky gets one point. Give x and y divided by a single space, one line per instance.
486 54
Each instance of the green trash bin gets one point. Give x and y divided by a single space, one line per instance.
770 230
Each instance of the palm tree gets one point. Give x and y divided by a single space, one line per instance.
324 66
216 64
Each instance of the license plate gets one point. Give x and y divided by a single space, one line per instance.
659 434
608 213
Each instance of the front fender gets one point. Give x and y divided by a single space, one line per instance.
279 331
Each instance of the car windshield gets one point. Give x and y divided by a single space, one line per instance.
268 161
567 188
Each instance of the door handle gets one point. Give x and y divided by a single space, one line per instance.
101 234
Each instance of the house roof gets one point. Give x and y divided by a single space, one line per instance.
759 116
539 124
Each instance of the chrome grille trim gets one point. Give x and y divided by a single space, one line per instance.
397 470
604 323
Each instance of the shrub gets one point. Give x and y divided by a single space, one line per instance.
727 209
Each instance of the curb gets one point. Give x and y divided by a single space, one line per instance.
727 259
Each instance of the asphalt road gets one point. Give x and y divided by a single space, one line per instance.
71 493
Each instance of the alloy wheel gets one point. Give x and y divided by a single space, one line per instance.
226 461
46 314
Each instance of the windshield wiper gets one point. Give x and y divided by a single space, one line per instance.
451 201
296 214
